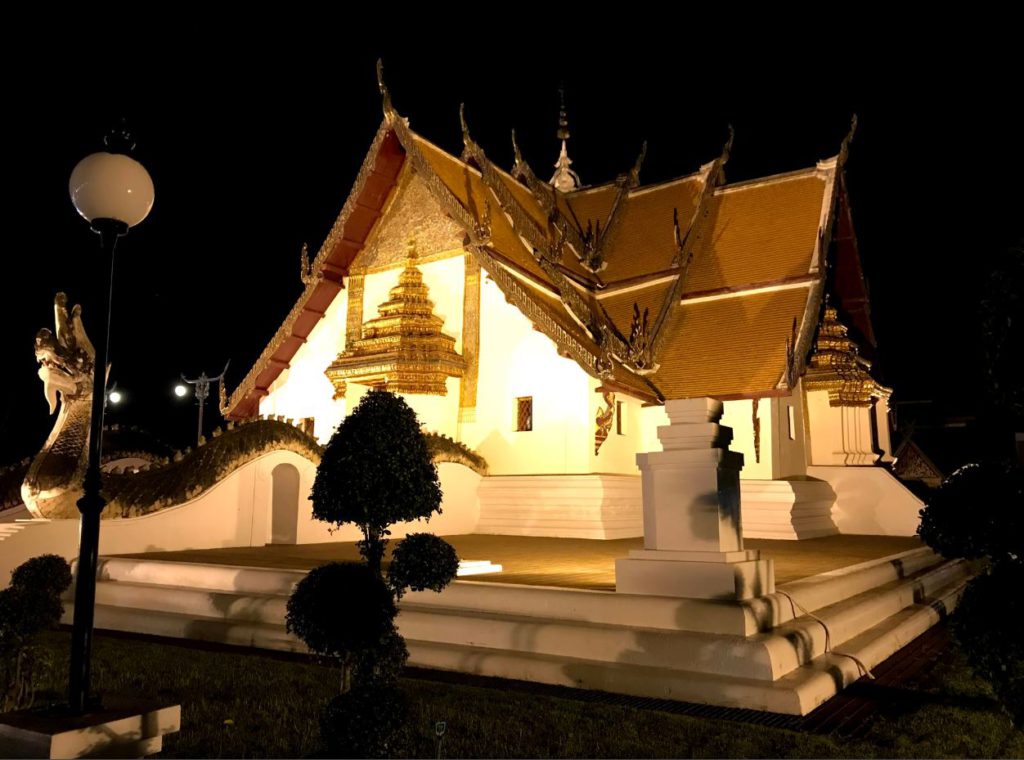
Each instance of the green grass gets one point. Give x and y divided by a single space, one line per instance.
240 704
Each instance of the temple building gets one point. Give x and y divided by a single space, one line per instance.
544 324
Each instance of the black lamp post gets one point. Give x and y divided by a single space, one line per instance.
113 192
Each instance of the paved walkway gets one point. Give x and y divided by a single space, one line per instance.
572 562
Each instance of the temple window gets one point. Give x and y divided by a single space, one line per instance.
620 425
524 413
792 423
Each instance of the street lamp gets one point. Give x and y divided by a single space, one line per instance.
202 386
113 192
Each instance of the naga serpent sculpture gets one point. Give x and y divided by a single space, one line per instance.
53 481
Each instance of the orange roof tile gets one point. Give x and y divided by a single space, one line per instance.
729 346
757 233
642 240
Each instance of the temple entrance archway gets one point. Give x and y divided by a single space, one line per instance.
284 521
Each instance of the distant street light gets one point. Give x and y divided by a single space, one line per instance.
115 397
202 386
180 390
113 192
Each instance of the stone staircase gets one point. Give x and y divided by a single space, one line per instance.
786 652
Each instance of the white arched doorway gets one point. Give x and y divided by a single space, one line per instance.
284 521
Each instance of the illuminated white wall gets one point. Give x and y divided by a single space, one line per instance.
517 360
739 415
303 389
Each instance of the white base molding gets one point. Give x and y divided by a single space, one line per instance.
120 729
561 506
763 653
787 509
695 575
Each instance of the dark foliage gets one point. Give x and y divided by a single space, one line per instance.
987 627
422 561
365 722
29 606
381 663
376 470
340 608
47 573
977 513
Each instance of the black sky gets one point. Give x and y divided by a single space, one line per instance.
253 147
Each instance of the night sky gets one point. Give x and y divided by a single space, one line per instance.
253 150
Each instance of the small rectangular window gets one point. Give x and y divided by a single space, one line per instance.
620 426
524 413
792 423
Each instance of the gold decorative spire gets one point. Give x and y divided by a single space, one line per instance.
402 348
836 366
564 178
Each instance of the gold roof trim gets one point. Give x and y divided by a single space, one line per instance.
337 231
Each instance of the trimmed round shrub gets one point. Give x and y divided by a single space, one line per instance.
383 662
368 721
422 561
340 608
977 512
47 573
376 471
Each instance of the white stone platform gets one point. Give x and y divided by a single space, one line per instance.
787 509
764 653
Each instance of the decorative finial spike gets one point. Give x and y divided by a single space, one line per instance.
563 119
844 149
564 178
389 110
634 174
465 127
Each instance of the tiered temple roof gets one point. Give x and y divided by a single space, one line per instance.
692 287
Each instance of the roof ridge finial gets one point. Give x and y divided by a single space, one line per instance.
844 148
389 109
564 178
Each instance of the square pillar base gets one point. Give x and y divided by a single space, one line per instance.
703 575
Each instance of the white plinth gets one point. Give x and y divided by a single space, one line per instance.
693 543
131 729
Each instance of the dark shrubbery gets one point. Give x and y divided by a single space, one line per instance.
422 561
340 608
376 470
977 512
30 605
366 721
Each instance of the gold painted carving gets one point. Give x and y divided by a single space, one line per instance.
756 420
354 313
605 416
470 334
837 367
403 348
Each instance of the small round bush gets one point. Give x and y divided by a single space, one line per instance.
368 721
976 512
340 608
47 574
383 662
422 561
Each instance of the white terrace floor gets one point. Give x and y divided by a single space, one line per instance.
567 562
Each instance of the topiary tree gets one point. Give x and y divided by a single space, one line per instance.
376 471
30 605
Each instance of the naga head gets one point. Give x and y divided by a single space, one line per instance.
66 356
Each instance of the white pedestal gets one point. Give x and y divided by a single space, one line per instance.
693 544
131 729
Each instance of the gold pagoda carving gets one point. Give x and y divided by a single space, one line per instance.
402 349
836 366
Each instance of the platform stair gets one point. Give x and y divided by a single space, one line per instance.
787 652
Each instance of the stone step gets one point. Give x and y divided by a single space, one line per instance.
796 694
460 619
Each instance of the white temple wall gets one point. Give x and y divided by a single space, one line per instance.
739 416
839 435
789 438
303 389
518 361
